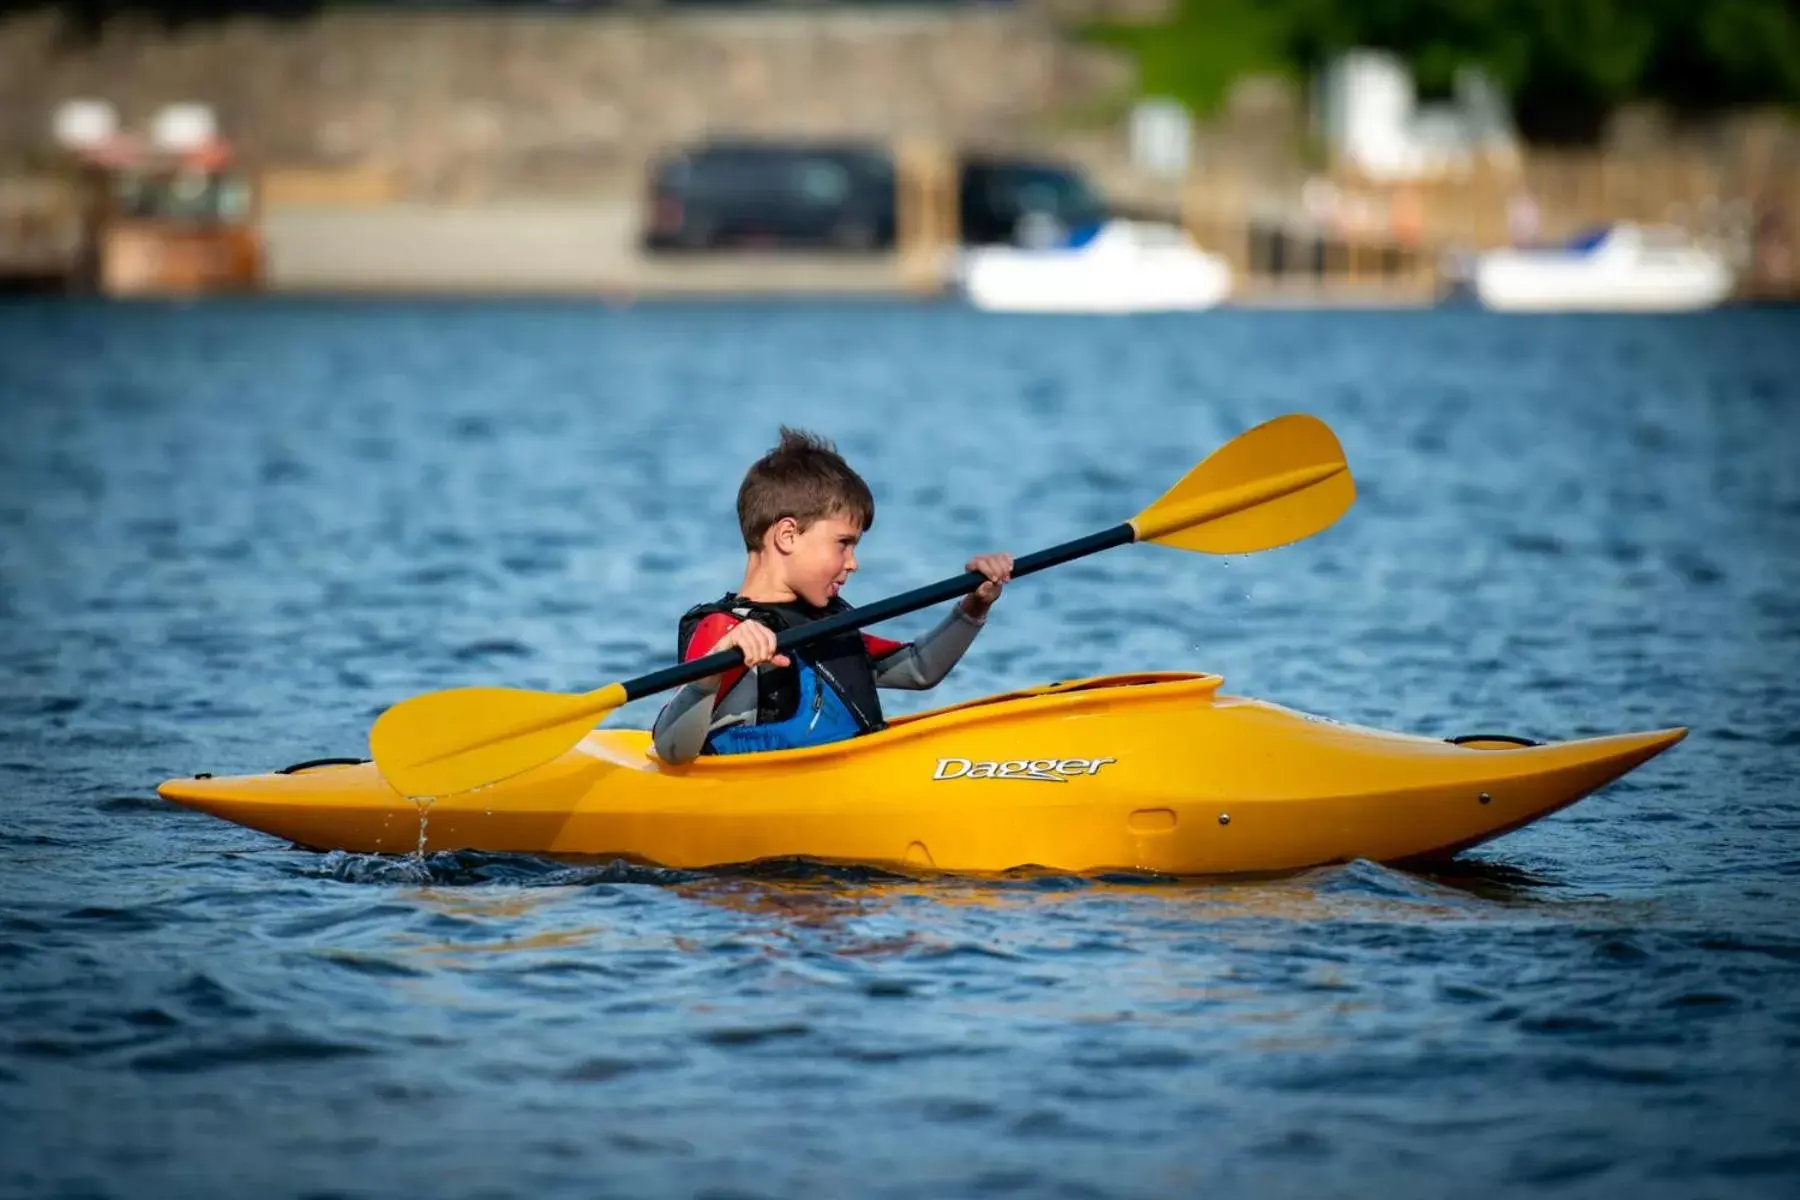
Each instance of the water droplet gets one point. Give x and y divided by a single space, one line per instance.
424 803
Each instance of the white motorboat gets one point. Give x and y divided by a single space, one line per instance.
1622 268
1117 267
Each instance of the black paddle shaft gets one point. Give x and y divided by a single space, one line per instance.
881 610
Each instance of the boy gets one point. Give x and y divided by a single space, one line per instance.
802 511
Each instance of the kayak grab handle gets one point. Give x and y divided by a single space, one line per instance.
310 763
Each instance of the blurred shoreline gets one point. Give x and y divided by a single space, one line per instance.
486 152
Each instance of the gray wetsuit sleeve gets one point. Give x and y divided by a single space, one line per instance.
681 727
924 663
695 712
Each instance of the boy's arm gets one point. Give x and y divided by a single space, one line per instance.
923 664
682 725
680 732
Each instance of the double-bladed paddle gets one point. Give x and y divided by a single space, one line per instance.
1275 484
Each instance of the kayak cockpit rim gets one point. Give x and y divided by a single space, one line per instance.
1067 695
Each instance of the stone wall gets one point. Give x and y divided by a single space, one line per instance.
476 106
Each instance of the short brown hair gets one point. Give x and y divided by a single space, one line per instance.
803 477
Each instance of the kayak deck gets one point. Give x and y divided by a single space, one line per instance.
1144 772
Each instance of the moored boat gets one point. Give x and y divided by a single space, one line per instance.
1117 267
1622 268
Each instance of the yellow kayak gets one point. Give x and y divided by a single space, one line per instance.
1152 772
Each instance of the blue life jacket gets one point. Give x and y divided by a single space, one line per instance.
826 696
819 719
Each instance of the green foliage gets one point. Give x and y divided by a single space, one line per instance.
1202 48
1566 63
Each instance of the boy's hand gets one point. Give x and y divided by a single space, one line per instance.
998 569
756 641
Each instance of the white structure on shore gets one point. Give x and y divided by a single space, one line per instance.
1367 108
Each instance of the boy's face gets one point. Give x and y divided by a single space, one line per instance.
818 559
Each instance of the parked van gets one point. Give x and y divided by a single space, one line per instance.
841 196
775 195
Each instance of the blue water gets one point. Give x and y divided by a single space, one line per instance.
231 534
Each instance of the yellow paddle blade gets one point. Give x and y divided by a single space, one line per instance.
448 742
1272 485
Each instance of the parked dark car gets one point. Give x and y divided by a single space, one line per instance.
1005 200
842 196
836 196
